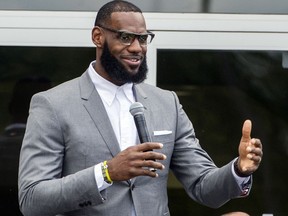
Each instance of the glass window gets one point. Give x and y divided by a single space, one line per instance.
24 72
171 6
218 91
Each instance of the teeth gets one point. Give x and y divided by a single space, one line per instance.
134 60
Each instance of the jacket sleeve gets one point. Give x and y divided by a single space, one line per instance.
42 188
203 181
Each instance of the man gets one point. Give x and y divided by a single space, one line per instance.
79 154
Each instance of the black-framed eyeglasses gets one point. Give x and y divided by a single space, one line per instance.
127 38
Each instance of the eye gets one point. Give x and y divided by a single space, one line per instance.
143 39
126 37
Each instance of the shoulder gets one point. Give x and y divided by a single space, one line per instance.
63 95
151 90
65 87
64 91
156 96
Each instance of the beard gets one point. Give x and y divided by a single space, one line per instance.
117 71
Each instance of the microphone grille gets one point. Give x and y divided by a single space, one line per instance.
136 108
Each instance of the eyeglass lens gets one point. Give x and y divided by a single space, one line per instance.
128 38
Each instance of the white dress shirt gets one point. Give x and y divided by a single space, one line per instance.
117 101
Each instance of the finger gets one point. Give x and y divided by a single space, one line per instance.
153 164
150 155
145 168
246 130
147 172
149 146
254 158
257 151
150 161
256 143
142 171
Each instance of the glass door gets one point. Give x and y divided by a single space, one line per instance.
219 89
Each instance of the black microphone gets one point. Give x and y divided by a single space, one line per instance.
137 111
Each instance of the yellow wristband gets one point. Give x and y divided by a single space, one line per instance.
106 173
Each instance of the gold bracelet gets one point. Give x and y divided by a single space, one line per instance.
105 173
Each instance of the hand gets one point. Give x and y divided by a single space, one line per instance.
250 151
134 161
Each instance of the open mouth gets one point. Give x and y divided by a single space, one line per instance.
132 60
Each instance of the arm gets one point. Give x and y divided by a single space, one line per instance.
201 178
42 188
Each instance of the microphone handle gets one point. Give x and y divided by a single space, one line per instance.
142 129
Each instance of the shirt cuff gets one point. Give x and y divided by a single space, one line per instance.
102 185
244 183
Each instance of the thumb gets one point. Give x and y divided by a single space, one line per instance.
246 131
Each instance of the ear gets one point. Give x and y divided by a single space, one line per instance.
97 37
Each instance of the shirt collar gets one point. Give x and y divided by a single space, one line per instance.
108 90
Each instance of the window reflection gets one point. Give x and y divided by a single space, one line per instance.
219 90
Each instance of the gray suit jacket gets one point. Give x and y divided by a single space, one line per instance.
68 132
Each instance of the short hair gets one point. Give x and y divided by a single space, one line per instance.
104 13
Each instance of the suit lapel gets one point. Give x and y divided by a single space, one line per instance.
94 106
141 97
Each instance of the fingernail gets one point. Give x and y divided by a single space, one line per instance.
164 157
161 145
249 156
